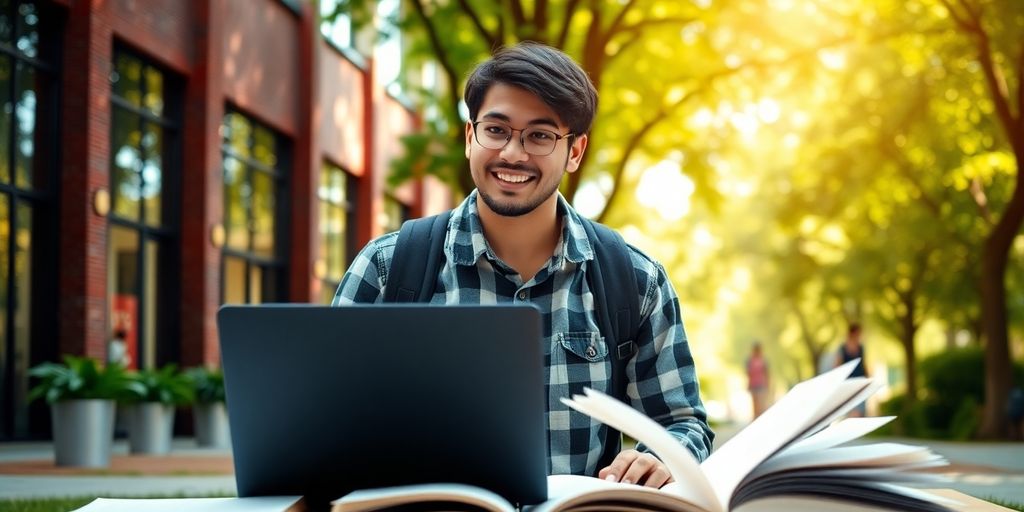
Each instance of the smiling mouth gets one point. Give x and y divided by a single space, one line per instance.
512 178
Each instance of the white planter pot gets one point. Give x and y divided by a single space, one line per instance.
83 432
150 427
211 425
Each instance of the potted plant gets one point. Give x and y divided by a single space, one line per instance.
151 408
82 395
208 411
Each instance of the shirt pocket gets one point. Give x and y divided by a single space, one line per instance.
583 358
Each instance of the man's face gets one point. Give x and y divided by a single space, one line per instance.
511 181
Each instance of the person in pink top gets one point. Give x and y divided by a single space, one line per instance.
757 379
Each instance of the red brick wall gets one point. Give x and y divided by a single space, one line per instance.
340 129
306 168
261 65
85 169
202 188
158 28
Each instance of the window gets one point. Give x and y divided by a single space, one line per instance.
395 213
141 242
254 188
337 227
29 40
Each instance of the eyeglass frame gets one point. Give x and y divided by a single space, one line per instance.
522 136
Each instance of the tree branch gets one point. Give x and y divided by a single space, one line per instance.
492 39
1020 99
563 33
614 27
518 16
540 17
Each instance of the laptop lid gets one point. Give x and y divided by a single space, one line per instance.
326 400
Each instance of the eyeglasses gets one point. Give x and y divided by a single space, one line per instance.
535 141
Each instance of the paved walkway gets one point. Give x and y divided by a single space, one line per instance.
984 470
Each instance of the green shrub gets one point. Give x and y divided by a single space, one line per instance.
81 378
966 420
952 389
165 385
207 383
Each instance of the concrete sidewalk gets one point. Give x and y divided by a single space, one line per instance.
27 471
983 470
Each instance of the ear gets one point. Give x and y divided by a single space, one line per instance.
469 136
579 145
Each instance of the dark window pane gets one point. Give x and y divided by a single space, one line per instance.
236 204
263 147
152 172
25 111
127 79
5 255
28 29
150 310
123 286
323 225
264 207
6 22
126 164
6 118
336 263
237 134
234 280
154 100
255 284
22 301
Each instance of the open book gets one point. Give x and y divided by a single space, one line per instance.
789 459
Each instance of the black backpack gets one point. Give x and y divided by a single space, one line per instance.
417 260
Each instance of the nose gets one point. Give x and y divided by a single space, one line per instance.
515 148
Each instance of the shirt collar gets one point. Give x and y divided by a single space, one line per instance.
465 242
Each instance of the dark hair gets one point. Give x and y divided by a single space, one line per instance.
854 328
544 71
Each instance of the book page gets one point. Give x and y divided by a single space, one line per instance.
690 482
885 455
836 434
576 493
390 497
784 421
252 504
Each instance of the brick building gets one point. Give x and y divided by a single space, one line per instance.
159 158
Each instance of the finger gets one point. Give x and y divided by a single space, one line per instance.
658 477
640 468
618 467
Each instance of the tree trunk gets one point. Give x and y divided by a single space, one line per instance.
908 333
995 257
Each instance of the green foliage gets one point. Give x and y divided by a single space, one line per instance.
207 384
966 420
953 387
165 385
81 378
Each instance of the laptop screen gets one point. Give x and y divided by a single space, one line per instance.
326 400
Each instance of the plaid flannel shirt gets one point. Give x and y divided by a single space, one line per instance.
662 381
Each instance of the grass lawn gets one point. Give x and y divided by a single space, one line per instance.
69 503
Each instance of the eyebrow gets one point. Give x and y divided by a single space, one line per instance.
504 118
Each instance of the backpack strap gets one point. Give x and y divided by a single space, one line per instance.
612 280
417 259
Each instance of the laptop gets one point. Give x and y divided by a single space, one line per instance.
326 400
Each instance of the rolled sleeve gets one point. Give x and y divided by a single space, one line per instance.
663 378
366 277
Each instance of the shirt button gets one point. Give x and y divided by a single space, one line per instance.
522 294
591 351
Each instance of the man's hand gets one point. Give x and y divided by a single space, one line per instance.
633 467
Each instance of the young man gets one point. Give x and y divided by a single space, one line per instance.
516 239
